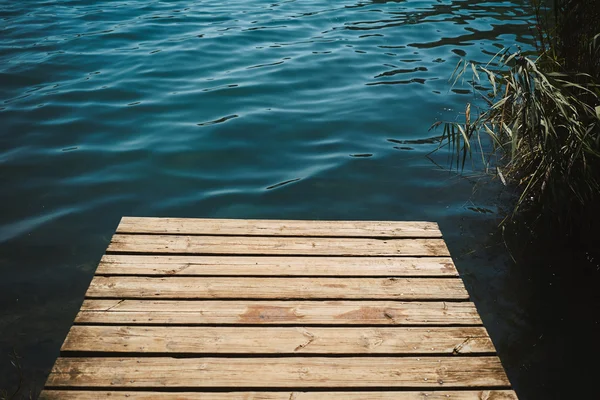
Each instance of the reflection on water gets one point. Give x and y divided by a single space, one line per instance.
283 109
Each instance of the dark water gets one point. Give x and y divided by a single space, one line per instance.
245 109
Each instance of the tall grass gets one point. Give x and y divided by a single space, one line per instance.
542 116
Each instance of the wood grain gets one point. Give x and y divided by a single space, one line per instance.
420 395
301 340
135 312
249 245
277 310
276 288
192 226
294 372
125 264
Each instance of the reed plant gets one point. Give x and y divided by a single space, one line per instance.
541 116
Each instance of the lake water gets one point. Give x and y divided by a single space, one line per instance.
241 109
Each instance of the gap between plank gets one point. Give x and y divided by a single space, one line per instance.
106 354
290 299
146 253
279 236
228 389
277 325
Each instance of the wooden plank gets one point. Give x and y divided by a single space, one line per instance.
304 310
135 312
421 395
250 227
276 288
301 340
294 372
250 245
125 264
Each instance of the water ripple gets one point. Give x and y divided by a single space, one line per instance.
101 105
218 121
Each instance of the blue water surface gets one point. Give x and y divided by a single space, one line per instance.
236 109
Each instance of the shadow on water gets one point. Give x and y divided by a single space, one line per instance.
538 298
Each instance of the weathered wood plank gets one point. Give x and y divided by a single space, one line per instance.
301 340
421 395
125 264
135 312
276 288
323 307
250 227
294 372
277 245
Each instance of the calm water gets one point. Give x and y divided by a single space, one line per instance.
290 109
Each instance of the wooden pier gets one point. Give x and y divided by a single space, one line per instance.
277 310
